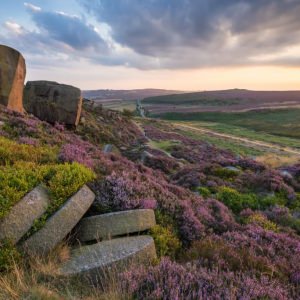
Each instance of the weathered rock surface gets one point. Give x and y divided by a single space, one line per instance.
12 77
98 261
53 102
22 215
114 224
60 224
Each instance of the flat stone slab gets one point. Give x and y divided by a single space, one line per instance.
22 215
113 224
96 262
60 224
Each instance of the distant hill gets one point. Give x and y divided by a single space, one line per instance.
126 94
225 100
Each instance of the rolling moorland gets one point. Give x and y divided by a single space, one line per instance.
123 99
235 100
235 118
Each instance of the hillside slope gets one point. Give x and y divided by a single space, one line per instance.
227 226
226 100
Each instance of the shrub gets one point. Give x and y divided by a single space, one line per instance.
204 192
260 220
170 280
77 151
225 173
235 200
282 216
15 182
166 242
217 252
148 204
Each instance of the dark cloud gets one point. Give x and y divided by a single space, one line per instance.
67 29
193 33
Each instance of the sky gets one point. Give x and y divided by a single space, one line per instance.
171 44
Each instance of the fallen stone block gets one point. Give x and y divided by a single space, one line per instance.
21 217
102 261
113 224
60 224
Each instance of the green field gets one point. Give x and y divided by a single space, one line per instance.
120 105
235 147
280 126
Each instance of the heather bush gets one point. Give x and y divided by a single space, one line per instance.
165 164
78 151
148 204
279 251
219 253
28 141
282 216
170 280
266 181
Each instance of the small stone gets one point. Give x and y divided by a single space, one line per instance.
115 224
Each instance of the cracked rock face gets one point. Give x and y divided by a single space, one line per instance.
53 102
12 77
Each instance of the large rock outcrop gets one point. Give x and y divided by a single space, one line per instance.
12 76
53 102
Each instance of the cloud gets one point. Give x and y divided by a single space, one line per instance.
196 33
32 7
67 29
162 34
58 39
13 27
